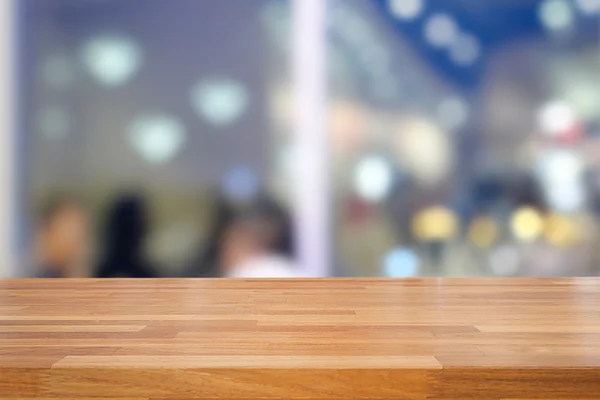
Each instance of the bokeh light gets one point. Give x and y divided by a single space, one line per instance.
465 50
401 263
561 174
556 15
566 198
157 138
373 178
561 230
561 166
441 30
483 232
112 60
221 101
406 9
527 224
588 7
424 150
556 117
435 224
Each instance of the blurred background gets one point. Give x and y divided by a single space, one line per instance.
391 138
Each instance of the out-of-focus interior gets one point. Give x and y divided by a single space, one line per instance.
156 138
464 136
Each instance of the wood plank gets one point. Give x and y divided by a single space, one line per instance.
247 383
307 339
70 328
240 362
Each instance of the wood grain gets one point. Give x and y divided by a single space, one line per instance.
451 339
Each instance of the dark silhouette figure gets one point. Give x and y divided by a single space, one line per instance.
125 233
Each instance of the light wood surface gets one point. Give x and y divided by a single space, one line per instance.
300 339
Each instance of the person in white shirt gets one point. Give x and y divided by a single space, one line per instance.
252 240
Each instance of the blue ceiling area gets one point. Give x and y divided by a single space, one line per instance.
495 23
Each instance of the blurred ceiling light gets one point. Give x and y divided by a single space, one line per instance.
453 113
401 263
157 138
465 50
54 122
556 15
561 231
527 224
483 232
373 178
561 174
57 71
240 184
112 60
504 261
556 117
435 224
221 101
441 30
425 150
406 9
588 7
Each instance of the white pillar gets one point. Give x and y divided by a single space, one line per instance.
7 138
312 187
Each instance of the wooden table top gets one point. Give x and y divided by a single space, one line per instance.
309 338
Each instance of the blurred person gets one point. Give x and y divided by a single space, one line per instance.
251 240
124 238
62 239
